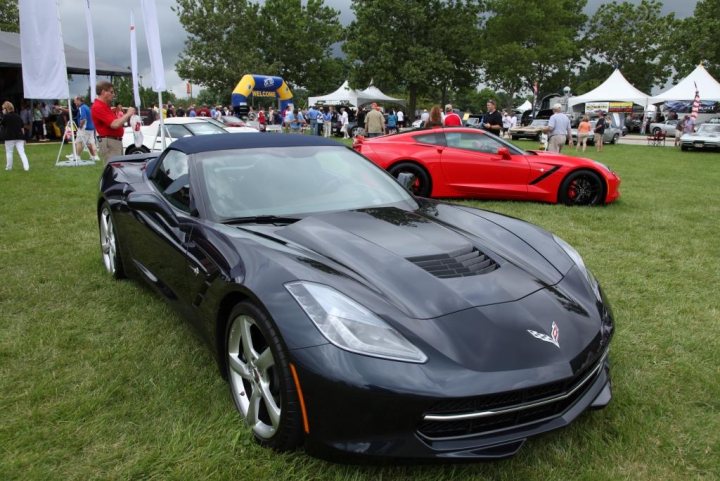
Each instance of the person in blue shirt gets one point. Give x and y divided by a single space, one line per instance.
312 116
392 121
85 131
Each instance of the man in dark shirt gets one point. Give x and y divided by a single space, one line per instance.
492 121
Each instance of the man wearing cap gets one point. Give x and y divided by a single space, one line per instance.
108 126
451 118
558 130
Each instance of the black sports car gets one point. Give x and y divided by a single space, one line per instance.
351 317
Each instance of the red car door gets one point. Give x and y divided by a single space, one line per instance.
472 166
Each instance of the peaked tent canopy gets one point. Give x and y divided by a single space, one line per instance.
374 94
341 96
708 87
525 106
615 89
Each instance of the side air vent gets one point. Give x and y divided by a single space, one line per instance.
461 263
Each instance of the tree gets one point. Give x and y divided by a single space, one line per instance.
296 41
698 37
634 38
431 47
9 16
230 38
124 93
529 41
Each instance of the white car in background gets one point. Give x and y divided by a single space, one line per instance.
668 127
175 128
707 137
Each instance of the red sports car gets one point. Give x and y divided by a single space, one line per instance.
465 162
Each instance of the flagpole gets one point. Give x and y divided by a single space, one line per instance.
162 120
152 35
91 51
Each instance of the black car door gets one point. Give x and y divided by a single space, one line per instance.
159 249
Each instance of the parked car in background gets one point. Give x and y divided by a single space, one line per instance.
611 136
463 162
231 121
532 131
247 127
175 128
707 137
667 126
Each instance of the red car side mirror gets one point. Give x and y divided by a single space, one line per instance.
504 153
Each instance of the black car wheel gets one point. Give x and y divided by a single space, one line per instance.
582 187
615 139
137 150
656 130
260 380
109 246
421 185
514 137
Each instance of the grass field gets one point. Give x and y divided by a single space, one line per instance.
99 380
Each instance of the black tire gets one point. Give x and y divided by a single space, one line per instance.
132 149
109 243
262 360
683 147
615 139
582 187
514 137
421 186
656 130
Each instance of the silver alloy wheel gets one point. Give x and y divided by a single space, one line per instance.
108 243
253 377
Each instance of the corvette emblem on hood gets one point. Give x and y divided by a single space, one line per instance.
552 339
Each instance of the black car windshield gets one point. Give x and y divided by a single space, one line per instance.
205 128
294 181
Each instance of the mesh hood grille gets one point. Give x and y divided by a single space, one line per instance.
461 263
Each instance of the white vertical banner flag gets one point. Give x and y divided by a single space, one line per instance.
42 50
134 61
152 34
91 51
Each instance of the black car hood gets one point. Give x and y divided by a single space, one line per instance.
380 249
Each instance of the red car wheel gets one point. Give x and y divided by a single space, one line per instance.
421 185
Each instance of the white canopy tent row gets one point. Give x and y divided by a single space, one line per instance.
615 95
346 95
679 98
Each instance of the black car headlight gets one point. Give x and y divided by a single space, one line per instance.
578 260
350 326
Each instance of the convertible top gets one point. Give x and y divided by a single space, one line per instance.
207 143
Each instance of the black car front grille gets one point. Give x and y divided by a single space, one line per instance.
484 414
461 263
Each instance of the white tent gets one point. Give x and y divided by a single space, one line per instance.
343 95
708 87
525 106
615 89
374 94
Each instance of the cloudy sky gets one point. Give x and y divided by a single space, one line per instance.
111 20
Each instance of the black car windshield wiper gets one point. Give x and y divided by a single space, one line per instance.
260 219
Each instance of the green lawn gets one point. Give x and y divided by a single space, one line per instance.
101 380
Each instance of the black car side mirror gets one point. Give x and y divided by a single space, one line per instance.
152 203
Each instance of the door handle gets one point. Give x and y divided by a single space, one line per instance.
196 270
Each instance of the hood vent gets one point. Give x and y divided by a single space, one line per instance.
461 263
